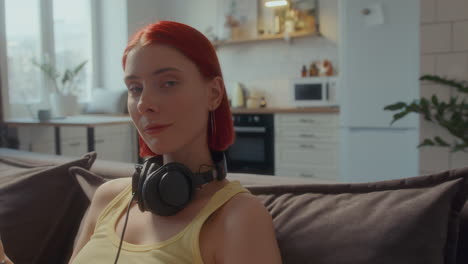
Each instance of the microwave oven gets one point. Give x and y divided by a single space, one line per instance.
314 91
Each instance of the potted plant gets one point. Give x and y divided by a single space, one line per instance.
451 115
63 99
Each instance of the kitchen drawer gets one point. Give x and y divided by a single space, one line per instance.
329 174
72 133
306 120
107 130
307 135
46 148
309 154
74 147
39 134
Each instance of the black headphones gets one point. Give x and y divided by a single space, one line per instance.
166 189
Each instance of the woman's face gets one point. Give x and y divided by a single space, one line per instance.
168 99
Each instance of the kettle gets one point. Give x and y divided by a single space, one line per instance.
238 96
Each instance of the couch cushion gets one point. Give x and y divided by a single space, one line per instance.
414 220
41 207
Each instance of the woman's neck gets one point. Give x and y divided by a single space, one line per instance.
196 156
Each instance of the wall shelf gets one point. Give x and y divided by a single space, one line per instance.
293 35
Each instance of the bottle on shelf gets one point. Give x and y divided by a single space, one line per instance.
304 71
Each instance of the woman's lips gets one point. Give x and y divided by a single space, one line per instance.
154 130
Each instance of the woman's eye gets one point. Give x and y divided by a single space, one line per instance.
135 89
168 84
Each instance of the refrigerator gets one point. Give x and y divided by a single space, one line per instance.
379 60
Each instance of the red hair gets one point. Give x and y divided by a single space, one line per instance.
196 47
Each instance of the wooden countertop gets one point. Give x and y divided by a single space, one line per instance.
274 110
78 120
101 120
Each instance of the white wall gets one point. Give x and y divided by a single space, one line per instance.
142 12
444 51
328 17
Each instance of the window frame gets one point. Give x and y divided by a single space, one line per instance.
47 46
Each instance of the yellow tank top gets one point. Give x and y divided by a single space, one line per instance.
181 248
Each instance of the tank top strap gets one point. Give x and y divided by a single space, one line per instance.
219 199
117 205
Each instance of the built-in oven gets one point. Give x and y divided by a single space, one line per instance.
253 149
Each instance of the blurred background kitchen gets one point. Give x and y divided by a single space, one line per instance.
307 79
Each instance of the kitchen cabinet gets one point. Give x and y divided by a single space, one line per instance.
113 142
39 139
307 145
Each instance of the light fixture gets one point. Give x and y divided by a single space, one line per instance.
276 3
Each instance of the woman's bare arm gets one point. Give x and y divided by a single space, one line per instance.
102 197
249 235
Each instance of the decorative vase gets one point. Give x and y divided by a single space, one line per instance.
63 105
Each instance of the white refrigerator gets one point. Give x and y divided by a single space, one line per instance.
379 64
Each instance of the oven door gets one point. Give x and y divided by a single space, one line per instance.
252 151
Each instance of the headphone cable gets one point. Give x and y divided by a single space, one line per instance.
124 228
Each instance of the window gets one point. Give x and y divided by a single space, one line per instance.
73 39
32 34
23 43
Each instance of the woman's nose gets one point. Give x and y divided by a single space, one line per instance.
147 103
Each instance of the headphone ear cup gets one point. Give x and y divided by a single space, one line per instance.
176 186
168 190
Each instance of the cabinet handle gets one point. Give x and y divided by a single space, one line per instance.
307 120
307 135
307 146
99 141
74 144
311 175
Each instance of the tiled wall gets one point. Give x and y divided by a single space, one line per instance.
444 51
266 67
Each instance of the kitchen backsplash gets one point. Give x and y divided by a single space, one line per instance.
267 66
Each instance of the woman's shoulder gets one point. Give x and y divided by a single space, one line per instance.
245 218
107 191
245 206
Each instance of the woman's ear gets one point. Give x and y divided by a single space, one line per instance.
215 93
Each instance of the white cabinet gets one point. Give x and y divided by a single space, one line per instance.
36 139
112 142
116 143
307 145
73 141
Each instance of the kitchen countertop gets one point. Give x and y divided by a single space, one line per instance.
274 110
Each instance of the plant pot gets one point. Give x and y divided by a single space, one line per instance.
63 105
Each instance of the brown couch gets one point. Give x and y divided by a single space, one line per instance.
415 220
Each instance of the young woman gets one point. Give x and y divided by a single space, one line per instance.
178 103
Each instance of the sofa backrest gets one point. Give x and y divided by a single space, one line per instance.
351 218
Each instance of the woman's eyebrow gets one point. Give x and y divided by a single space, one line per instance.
165 70
159 71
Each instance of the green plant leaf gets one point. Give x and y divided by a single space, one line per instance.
441 142
66 76
79 67
426 142
435 100
395 106
414 107
425 109
399 116
459 85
